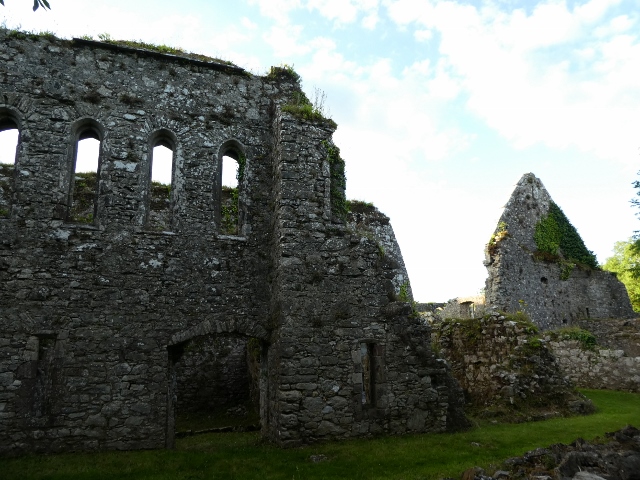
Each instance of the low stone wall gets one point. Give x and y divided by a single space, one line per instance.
615 333
598 368
505 369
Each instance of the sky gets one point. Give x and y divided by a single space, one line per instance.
441 105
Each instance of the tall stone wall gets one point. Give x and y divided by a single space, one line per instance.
553 291
96 317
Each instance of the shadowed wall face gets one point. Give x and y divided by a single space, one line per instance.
101 305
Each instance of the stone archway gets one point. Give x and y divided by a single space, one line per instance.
214 354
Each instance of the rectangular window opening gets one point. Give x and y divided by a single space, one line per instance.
368 373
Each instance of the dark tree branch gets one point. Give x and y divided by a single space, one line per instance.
36 4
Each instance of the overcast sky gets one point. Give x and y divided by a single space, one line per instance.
441 105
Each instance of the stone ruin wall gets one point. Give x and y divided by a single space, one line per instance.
613 363
610 369
505 369
95 318
518 281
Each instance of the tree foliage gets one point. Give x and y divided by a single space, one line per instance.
36 4
636 203
625 263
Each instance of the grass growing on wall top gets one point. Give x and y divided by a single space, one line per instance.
106 38
245 456
587 339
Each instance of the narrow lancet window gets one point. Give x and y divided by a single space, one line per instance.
160 204
86 172
8 152
229 196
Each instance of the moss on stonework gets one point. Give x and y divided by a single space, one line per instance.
339 205
500 234
505 367
301 107
587 339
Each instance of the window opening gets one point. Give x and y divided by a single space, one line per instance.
229 196
45 368
85 179
8 153
161 186
368 373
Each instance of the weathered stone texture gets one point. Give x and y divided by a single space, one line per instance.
616 333
95 319
518 281
617 458
598 368
505 369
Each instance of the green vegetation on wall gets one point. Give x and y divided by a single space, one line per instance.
84 195
585 337
284 71
559 240
301 107
106 38
242 163
229 211
339 204
500 234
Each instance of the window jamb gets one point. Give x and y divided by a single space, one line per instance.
164 138
10 120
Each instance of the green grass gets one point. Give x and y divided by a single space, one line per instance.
245 456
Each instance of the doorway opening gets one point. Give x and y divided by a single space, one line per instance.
217 384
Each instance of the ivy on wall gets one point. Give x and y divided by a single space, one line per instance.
339 205
556 237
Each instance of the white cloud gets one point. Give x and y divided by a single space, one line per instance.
277 10
423 35
371 21
285 42
526 79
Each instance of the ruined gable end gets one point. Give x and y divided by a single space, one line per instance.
537 263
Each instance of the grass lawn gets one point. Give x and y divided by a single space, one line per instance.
245 456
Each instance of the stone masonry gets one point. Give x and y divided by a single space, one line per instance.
505 369
612 363
96 315
553 293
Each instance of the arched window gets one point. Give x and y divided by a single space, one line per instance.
161 172
9 139
230 173
85 173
